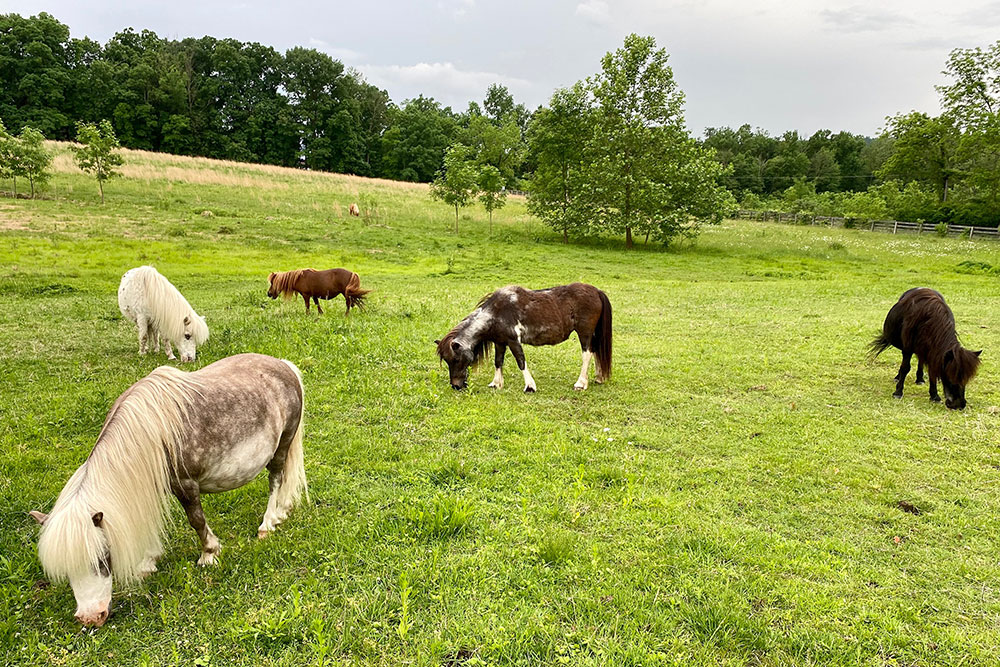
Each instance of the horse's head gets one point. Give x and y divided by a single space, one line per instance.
960 366
271 290
459 357
195 333
89 576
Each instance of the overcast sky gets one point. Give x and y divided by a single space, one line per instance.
776 64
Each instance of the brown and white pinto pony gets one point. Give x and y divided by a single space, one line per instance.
921 323
513 316
354 210
316 285
180 434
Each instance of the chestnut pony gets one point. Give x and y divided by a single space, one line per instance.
316 285
921 323
513 316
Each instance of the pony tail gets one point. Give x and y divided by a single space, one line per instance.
601 343
293 476
353 293
878 346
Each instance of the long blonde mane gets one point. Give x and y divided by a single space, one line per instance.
284 281
127 477
168 307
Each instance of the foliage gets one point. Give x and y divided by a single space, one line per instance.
97 153
414 145
456 182
35 158
492 192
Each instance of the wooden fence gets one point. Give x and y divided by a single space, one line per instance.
887 226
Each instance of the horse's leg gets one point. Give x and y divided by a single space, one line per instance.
518 352
190 498
498 374
934 393
273 515
307 303
166 348
920 371
144 326
349 304
582 381
904 369
318 307
148 564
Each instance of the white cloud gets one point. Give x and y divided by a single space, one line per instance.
339 52
444 81
595 11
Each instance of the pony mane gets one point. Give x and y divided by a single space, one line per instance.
480 346
963 367
168 307
127 477
284 281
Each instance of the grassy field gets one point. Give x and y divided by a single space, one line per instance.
731 497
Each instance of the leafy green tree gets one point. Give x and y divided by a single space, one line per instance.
34 157
500 146
926 150
456 183
645 173
9 157
97 153
556 139
824 170
492 192
417 137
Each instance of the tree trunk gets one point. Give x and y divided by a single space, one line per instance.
31 182
646 242
565 236
628 238
100 184
491 222
15 186
456 218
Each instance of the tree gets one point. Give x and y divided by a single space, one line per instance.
456 182
925 151
492 192
824 170
555 146
97 154
415 142
644 171
497 145
35 158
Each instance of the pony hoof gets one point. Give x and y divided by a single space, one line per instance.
579 387
897 396
529 390
261 534
919 382
206 559
935 399
494 385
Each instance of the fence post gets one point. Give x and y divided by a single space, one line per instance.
872 227
971 231
894 225
920 228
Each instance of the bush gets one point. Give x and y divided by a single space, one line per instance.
941 229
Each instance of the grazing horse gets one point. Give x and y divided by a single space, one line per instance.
921 323
513 316
354 210
317 285
160 312
173 432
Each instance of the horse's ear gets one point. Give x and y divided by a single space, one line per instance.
455 345
187 320
40 517
949 356
98 519
437 342
270 277
979 352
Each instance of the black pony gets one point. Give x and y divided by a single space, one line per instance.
513 316
921 323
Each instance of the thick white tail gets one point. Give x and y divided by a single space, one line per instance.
293 476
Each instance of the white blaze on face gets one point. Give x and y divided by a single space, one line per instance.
93 598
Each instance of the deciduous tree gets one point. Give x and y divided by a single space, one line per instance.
97 153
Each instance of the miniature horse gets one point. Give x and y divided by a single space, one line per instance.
317 285
185 434
513 316
921 323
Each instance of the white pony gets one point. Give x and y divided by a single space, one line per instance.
181 434
160 312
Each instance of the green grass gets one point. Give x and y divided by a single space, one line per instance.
731 497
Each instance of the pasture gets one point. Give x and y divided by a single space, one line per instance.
745 490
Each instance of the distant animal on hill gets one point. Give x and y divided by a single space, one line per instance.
161 313
513 316
354 210
921 323
174 433
316 285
